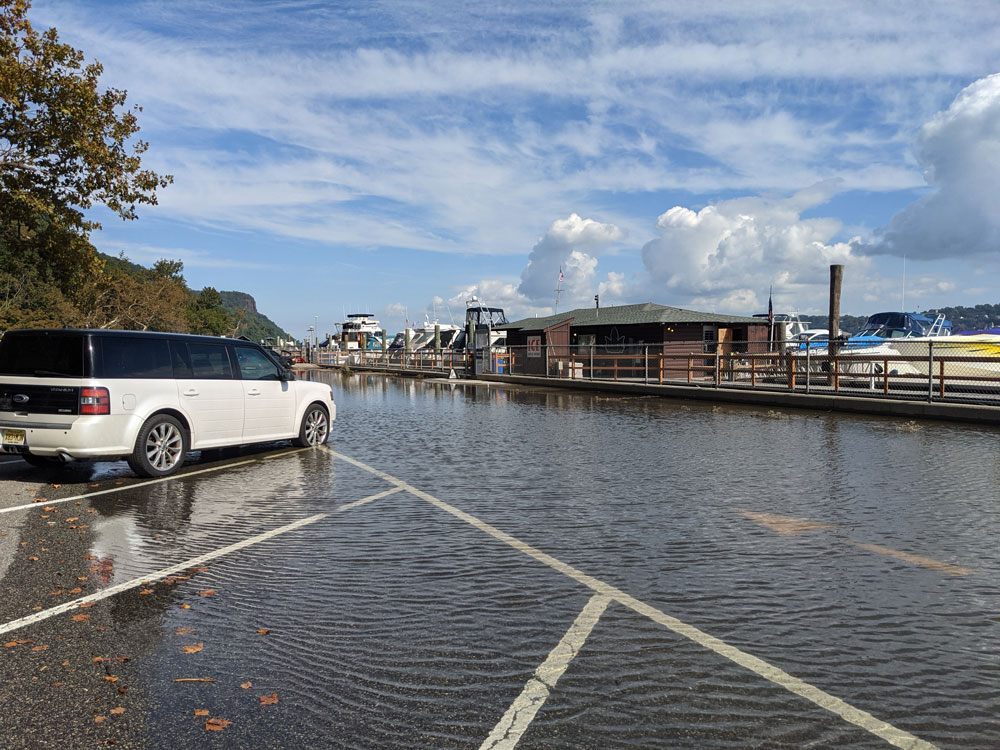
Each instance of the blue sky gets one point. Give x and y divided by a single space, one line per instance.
397 157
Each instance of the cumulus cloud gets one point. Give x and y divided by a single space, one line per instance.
570 244
959 150
728 254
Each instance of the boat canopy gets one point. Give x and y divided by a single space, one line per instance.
897 325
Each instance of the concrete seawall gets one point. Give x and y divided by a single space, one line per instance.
906 409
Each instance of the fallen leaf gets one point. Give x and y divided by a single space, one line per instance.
44 515
85 605
98 659
246 685
201 712
194 679
99 719
207 592
10 644
91 511
192 649
74 518
80 618
81 578
49 508
183 631
217 724
42 669
117 711
66 663
267 700
96 484
76 590
263 631
88 557
39 648
40 500
111 679
33 559
36 609
146 591
201 569
185 606
57 485
58 684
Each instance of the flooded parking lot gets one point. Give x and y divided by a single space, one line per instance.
472 566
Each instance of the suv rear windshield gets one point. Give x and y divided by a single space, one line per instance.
42 354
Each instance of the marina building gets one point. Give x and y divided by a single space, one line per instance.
634 329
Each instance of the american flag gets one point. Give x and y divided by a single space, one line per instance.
560 275
770 308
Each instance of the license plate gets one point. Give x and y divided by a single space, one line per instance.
13 437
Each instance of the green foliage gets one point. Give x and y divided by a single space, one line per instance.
65 146
64 143
206 314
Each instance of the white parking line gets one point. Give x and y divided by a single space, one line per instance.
182 566
124 487
508 731
894 736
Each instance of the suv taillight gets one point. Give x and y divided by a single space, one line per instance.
95 401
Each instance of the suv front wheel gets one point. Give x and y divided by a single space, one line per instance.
315 428
160 447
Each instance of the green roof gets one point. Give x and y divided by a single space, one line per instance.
646 312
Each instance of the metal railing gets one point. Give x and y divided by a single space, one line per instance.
949 368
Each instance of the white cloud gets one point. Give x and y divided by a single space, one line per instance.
567 245
959 150
728 254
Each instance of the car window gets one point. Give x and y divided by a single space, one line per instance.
42 354
134 357
202 361
255 365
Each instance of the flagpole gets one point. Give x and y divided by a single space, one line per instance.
770 313
555 310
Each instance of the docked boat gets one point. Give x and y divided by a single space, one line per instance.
911 347
360 331
427 336
786 329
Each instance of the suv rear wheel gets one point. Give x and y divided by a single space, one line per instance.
315 428
160 447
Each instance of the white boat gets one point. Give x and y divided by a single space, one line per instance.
907 348
787 328
360 331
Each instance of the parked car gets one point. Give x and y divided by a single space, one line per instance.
68 394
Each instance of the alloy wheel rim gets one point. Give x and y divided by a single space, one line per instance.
163 446
315 427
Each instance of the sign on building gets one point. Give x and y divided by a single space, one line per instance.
534 346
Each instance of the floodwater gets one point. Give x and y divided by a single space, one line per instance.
855 554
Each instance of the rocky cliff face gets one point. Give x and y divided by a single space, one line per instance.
239 301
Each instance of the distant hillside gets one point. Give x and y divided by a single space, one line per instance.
252 324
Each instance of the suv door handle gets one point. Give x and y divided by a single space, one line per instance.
253 392
191 392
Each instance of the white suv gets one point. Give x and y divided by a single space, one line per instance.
70 394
